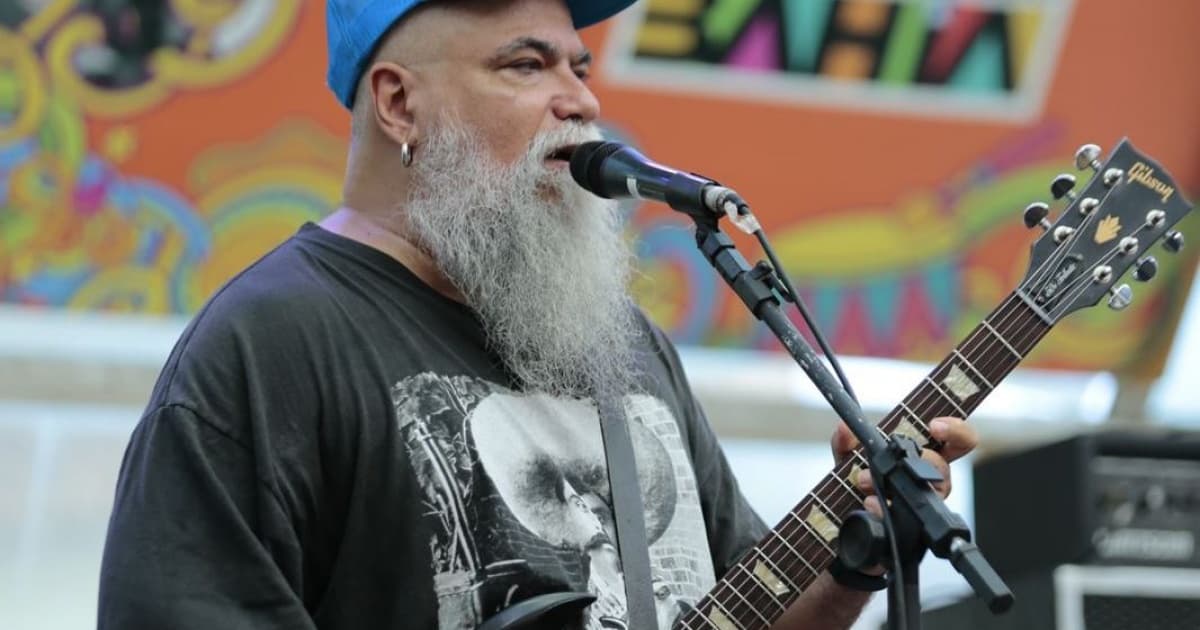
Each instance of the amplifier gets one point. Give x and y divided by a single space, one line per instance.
1074 597
1116 498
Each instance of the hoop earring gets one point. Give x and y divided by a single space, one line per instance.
406 155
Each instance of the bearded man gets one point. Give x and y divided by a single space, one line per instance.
390 420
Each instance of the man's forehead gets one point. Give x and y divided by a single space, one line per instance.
493 28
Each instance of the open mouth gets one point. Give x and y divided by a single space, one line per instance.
561 154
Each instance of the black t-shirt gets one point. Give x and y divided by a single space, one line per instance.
332 445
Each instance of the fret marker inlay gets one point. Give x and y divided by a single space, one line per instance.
822 524
853 476
960 384
720 620
906 428
769 579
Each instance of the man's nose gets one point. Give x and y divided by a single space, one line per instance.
576 102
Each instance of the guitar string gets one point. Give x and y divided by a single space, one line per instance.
976 343
935 394
835 510
1059 253
846 494
968 349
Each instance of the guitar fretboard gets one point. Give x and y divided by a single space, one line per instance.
767 579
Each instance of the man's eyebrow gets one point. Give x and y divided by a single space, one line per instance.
543 47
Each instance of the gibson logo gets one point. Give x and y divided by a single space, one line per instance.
1108 229
1144 175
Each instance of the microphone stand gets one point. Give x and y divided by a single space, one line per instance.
922 519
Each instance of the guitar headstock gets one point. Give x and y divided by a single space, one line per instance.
1130 204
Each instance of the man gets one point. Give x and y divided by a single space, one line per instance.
390 421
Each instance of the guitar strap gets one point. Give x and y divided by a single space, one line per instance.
629 516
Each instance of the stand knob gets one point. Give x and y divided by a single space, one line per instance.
1035 214
1173 241
1147 267
1062 186
862 541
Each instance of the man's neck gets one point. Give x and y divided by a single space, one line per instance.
390 239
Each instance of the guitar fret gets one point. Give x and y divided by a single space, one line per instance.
915 429
937 388
783 577
719 617
1004 341
862 459
912 413
845 485
793 549
755 580
974 369
696 613
811 529
752 607
958 381
828 512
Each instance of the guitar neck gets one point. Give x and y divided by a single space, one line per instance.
767 579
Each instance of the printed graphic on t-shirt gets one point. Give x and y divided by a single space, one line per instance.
516 494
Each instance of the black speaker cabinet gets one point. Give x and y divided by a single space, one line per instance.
1087 597
1115 498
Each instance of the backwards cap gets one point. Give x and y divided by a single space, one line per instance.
354 28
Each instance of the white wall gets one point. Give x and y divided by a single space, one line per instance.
58 461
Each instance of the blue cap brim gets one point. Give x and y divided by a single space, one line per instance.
353 38
588 12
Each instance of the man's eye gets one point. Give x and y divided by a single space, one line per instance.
526 65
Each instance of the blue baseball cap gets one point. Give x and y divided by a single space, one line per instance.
354 27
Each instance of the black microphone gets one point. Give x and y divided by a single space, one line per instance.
613 170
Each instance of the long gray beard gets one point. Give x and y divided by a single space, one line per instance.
541 260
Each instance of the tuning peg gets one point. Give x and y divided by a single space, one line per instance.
1062 185
1112 176
1035 214
1062 233
1087 156
1173 241
1121 297
1147 267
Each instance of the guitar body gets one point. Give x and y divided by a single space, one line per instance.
552 611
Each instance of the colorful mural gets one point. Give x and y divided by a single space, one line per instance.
963 250
150 150
79 86
989 59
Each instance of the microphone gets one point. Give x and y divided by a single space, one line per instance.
613 170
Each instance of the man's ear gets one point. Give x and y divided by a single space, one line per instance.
389 89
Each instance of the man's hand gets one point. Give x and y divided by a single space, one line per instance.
958 439
827 604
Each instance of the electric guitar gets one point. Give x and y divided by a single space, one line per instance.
1130 204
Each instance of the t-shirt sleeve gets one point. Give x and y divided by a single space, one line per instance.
733 526
196 540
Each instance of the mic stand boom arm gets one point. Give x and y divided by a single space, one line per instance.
923 520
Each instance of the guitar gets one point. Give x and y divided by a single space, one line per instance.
1130 204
